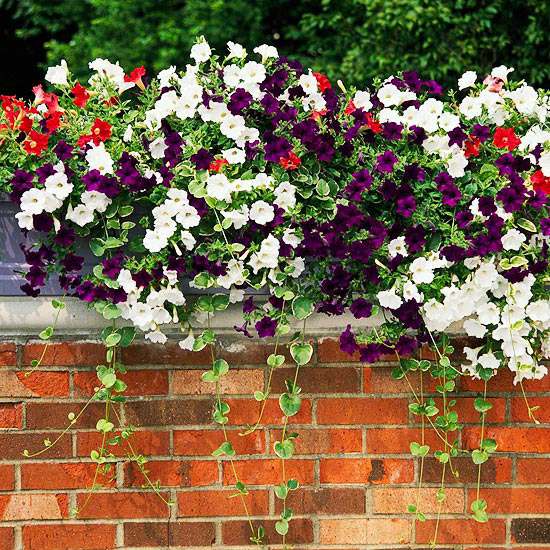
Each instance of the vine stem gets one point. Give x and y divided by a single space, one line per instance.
47 344
226 439
482 436
267 391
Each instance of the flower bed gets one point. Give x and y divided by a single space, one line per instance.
421 208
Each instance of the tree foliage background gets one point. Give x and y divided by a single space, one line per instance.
350 39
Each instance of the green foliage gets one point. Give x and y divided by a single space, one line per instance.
355 40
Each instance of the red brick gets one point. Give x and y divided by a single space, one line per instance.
502 382
242 352
8 357
203 442
379 380
328 351
142 353
495 470
397 440
326 441
246 411
65 354
13 445
46 384
533 470
315 380
69 536
395 500
7 538
169 534
55 415
219 503
467 414
236 533
181 473
520 412
7 478
236 382
11 415
145 442
25 506
513 439
366 470
514 500
362 410
121 505
69 475
140 382
169 411
364 531
462 531
268 472
325 501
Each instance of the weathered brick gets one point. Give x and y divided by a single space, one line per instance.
69 536
139 382
511 439
328 351
169 534
203 442
172 473
145 442
235 382
514 500
236 533
169 411
531 530
362 410
326 441
314 380
495 470
23 506
366 470
326 501
141 353
55 415
8 357
65 354
462 531
241 352
68 475
38 384
267 471
7 477
13 445
11 415
7 538
219 503
364 531
393 500
123 505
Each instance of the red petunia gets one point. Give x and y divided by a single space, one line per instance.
350 108
53 122
81 95
541 182
291 161
505 138
322 81
36 143
136 77
101 131
217 165
316 115
472 147
373 124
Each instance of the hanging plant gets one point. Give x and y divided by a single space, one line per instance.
420 210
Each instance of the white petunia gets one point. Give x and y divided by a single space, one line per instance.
474 328
396 247
25 220
95 200
389 299
188 216
361 100
238 218
253 72
157 148
187 343
153 241
99 159
470 107
501 72
234 155
236 50
261 212
421 271
58 74
513 239
33 201
188 240
488 361
290 238
81 215
218 187
266 51
201 52
467 80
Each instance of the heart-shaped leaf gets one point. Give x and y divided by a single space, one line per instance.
284 449
282 527
301 353
290 404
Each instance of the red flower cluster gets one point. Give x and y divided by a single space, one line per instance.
505 138
291 161
100 132
541 182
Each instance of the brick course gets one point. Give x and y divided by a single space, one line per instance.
352 456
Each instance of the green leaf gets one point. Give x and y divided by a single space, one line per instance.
259 395
479 456
220 301
125 210
225 449
97 248
210 376
479 510
281 491
57 304
108 379
104 425
301 353
293 484
275 360
127 336
527 225
111 311
220 367
112 242
302 307
489 445
481 405
290 404
113 339
46 334
284 449
282 527
419 450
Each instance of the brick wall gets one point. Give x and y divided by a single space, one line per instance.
352 456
